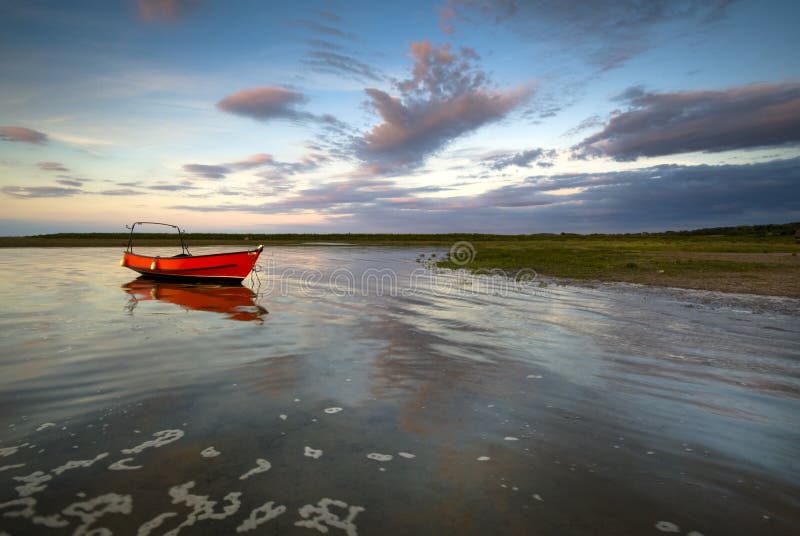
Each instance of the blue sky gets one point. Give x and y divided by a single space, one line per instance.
445 116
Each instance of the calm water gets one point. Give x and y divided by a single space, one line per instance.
357 392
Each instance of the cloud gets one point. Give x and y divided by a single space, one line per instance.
446 97
607 33
253 161
656 124
325 61
323 44
326 29
51 166
268 103
219 171
166 10
264 103
521 159
588 123
29 192
329 57
306 163
122 192
331 198
23 134
446 16
70 182
329 15
183 186
207 171
647 199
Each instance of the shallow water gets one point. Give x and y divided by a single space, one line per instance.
357 391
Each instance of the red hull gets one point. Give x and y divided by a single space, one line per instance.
229 266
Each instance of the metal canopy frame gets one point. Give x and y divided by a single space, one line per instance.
184 247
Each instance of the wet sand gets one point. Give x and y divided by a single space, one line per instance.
462 406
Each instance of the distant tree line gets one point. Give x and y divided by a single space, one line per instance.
770 229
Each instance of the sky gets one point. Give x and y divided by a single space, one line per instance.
504 116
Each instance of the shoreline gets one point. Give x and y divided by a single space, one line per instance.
767 266
693 297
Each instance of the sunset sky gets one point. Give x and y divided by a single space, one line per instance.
442 116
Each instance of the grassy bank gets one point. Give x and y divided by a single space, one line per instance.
760 260
757 265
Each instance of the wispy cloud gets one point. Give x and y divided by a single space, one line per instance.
520 159
607 33
121 192
22 134
329 15
179 187
330 52
656 124
446 97
28 192
51 166
325 61
220 171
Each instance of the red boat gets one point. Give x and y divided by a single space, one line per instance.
223 267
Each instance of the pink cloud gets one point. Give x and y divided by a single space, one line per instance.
446 97
23 134
51 166
446 15
264 103
165 10
255 160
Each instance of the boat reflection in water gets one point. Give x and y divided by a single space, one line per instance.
235 301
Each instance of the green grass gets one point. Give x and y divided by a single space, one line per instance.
591 257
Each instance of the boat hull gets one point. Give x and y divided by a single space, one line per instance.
230 267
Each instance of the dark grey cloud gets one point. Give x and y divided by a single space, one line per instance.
656 124
445 98
70 182
29 192
51 166
520 159
180 187
207 171
220 171
22 134
607 33
647 199
122 192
